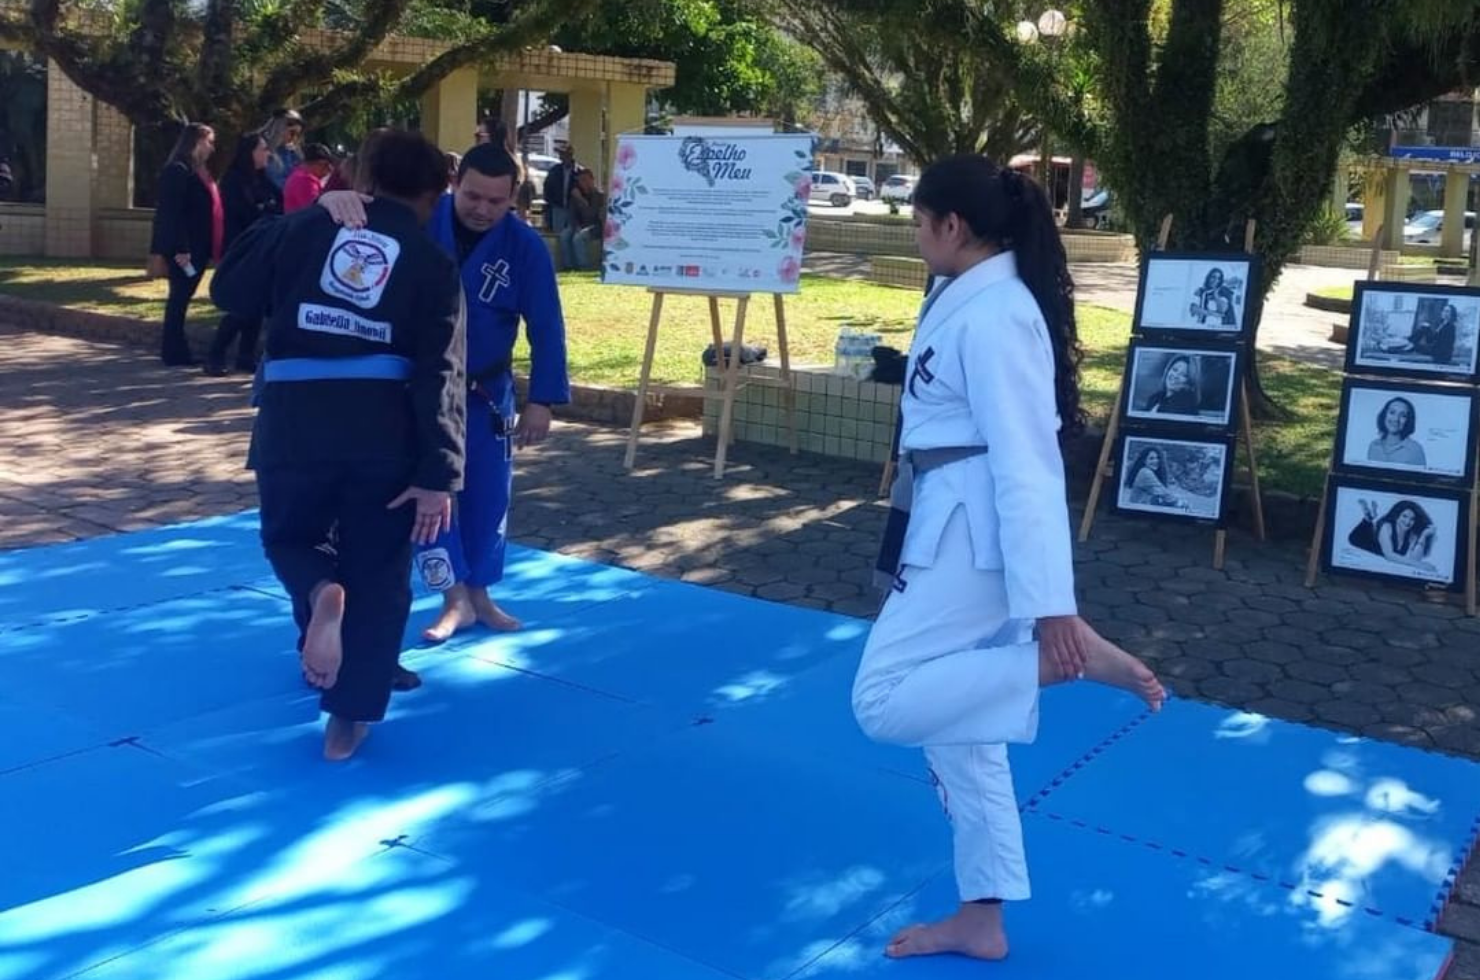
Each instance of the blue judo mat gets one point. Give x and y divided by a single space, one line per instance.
652 780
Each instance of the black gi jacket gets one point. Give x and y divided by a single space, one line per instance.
328 292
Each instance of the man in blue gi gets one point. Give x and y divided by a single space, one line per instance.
507 275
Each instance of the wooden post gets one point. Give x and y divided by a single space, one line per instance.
1105 466
643 378
732 378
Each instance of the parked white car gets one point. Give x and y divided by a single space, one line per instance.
1427 228
899 189
832 188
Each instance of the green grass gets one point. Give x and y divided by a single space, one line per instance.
606 329
1335 292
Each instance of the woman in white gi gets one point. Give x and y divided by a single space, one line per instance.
982 613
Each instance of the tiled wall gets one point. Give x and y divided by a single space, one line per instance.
1343 256
22 229
835 416
124 234
69 166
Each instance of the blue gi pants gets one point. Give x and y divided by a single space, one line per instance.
371 559
472 552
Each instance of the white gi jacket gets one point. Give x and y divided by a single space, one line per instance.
981 371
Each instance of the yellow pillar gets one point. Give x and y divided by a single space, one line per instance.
626 113
587 130
69 166
449 112
1374 200
1395 211
113 138
1456 197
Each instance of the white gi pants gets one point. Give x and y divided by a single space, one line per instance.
946 669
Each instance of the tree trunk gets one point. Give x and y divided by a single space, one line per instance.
1075 217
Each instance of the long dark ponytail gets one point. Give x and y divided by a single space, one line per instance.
1010 210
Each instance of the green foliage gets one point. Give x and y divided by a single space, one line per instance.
1328 228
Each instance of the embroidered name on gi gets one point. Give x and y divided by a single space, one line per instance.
922 370
326 319
495 276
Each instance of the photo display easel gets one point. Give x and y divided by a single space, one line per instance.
1402 501
1182 409
717 213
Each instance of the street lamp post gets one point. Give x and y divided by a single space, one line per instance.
1051 27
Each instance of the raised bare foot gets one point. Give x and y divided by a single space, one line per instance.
974 931
323 647
1109 664
457 615
490 615
342 737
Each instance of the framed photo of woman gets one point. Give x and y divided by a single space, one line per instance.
1190 294
1424 433
1181 382
1167 474
1414 330
1395 532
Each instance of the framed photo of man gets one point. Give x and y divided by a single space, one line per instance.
1397 533
1414 330
1169 475
1196 294
1181 383
1424 433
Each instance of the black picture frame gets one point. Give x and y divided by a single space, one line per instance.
1348 550
1387 317
1217 374
1193 494
1435 451
1172 283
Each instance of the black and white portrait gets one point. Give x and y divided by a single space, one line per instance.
1392 532
1408 429
1173 477
1206 294
1181 384
1413 331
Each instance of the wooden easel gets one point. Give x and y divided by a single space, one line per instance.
1318 537
1105 468
729 369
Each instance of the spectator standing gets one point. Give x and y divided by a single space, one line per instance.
247 194
189 231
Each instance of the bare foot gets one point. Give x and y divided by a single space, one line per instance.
323 648
490 615
457 615
1109 664
975 931
342 737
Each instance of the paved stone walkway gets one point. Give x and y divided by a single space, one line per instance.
95 439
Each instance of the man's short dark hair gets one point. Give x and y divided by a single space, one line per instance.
490 160
405 165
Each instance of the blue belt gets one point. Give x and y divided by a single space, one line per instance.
373 367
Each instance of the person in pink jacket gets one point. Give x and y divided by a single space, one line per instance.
306 182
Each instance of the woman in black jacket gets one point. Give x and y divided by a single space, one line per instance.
247 193
188 230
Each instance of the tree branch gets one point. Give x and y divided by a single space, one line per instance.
80 58
533 23
217 51
302 67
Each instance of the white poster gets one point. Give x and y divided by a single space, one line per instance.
723 213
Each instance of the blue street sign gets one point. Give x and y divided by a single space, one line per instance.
1444 154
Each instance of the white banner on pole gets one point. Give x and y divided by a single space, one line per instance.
715 213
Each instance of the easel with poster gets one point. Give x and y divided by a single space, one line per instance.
721 216
1401 502
1182 408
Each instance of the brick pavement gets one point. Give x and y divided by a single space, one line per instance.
95 439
